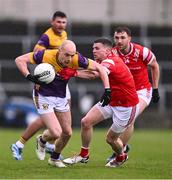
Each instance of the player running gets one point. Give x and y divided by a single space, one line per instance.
52 38
50 99
137 58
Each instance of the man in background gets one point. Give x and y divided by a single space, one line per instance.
137 58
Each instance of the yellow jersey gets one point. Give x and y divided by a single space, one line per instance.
50 40
57 88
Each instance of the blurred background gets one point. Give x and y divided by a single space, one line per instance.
23 21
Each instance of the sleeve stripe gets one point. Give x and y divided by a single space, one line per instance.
149 56
153 57
83 61
38 56
108 61
44 41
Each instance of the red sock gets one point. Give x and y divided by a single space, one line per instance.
84 152
120 157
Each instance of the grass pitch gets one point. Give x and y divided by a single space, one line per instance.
150 158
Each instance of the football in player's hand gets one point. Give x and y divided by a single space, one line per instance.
45 72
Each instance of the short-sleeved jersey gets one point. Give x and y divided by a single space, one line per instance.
57 88
123 91
50 40
137 60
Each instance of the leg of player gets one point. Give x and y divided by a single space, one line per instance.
123 118
49 147
65 122
126 135
93 117
51 122
32 128
117 145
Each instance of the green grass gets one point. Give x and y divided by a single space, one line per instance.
150 158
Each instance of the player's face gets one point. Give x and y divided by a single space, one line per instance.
99 52
65 57
122 40
59 24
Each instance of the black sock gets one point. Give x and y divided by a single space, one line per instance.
55 155
42 141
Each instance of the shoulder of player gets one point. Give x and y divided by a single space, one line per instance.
109 61
64 33
146 53
48 31
137 49
143 48
51 52
139 46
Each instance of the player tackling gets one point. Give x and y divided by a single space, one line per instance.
123 106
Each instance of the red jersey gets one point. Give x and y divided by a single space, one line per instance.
123 91
137 60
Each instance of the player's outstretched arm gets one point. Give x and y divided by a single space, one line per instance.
87 74
102 73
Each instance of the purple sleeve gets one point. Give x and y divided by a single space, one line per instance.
38 56
44 41
82 61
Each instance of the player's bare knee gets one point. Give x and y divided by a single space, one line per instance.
110 139
85 123
56 134
67 133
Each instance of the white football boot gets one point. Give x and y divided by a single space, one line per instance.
16 151
76 159
56 163
40 148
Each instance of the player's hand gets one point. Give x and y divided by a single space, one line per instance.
155 96
67 73
106 97
34 79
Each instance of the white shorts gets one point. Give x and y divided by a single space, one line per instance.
122 116
47 104
145 94
68 95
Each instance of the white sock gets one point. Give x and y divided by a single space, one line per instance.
20 145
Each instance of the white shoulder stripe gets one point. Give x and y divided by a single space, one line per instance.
145 53
109 61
